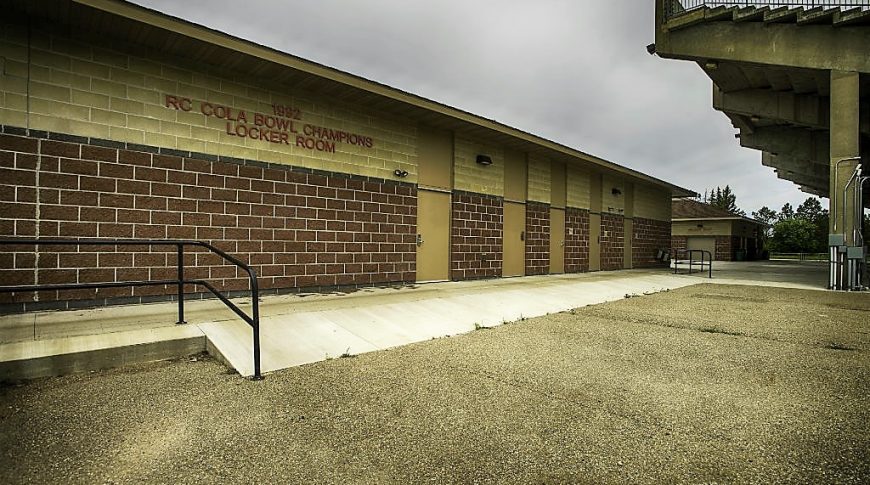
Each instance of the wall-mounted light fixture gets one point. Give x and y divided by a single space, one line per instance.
484 160
615 191
400 173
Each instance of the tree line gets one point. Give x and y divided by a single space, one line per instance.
801 230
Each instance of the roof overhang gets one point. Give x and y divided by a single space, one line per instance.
171 36
735 218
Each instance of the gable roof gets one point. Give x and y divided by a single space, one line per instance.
693 209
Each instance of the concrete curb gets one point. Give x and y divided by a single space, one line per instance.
61 356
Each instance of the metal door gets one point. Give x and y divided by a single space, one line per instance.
557 240
514 239
705 243
433 235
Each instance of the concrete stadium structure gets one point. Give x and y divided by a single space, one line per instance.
122 122
795 82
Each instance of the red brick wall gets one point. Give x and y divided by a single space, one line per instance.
650 236
476 241
678 243
537 238
612 241
725 247
576 244
299 228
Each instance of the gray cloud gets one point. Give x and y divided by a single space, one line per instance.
575 72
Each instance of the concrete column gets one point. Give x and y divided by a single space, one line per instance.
845 143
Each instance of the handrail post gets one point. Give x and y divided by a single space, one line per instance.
710 274
180 262
255 302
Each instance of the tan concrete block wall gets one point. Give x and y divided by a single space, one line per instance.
539 179
611 202
652 202
121 95
710 228
578 188
470 176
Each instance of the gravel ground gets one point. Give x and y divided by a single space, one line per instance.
707 384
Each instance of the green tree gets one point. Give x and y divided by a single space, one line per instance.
725 199
767 216
811 210
786 213
793 236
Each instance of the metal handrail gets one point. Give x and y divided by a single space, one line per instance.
675 8
701 263
252 320
799 256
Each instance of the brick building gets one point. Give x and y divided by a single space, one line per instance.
728 237
121 122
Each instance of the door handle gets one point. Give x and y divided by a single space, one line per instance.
419 239
522 235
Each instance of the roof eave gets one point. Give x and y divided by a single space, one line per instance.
205 34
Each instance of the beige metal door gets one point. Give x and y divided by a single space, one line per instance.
594 242
433 235
557 240
514 239
705 243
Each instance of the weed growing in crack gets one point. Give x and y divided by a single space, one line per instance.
346 354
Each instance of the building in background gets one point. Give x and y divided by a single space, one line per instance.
121 122
728 237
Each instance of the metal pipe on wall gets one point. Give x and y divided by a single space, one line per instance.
855 174
836 180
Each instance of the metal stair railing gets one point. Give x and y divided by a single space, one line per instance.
708 262
253 320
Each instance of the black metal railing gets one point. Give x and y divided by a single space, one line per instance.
252 320
692 261
674 8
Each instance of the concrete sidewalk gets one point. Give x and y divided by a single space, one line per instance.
303 328
295 332
299 328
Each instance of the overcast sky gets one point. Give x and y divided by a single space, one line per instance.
573 71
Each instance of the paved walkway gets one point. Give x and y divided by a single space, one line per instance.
304 328
704 384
